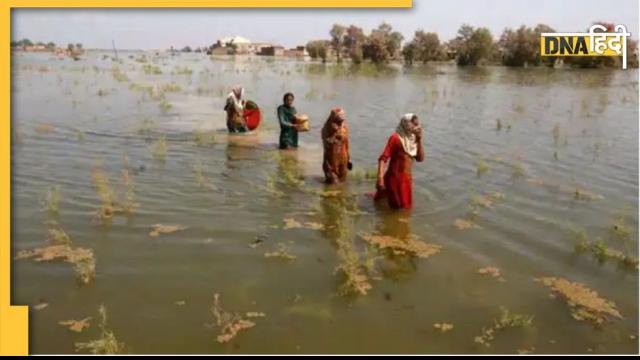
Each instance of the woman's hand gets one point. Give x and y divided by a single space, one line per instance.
418 133
380 184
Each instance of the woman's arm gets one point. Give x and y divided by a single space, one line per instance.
282 118
381 170
383 159
420 155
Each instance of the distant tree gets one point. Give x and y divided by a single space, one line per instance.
409 52
25 42
383 44
522 47
318 49
337 34
70 47
14 44
186 49
472 45
51 45
376 49
79 46
353 42
427 46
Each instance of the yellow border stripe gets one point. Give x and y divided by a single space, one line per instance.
214 4
14 324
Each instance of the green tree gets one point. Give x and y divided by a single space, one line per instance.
70 47
472 45
338 33
383 44
522 47
353 42
409 52
427 46
318 49
51 45
25 42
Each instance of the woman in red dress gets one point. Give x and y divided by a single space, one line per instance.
402 148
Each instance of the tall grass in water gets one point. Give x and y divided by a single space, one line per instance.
129 204
353 269
102 186
107 343
52 200
159 151
202 138
203 181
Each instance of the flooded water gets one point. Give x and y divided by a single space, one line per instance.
551 151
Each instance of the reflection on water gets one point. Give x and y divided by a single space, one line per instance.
557 148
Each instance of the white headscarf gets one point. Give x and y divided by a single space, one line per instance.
237 100
407 137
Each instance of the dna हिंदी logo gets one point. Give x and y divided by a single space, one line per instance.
599 41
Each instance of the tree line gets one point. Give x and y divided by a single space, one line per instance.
26 43
471 46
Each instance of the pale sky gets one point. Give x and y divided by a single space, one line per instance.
162 28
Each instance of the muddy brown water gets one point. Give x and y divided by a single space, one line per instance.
68 116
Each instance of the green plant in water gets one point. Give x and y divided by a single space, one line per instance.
361 175
518 170
556 134
355 278
183 70
482 167
599 249
129 205
81 136
171 87
230 324
164 106
202 138
146 127
83 260
107 343
160 149
619 230
102 186
584 303
151 69
52 200
203 181
505 321
283 252
57 235
118 75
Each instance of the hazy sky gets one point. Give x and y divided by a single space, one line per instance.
162 28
